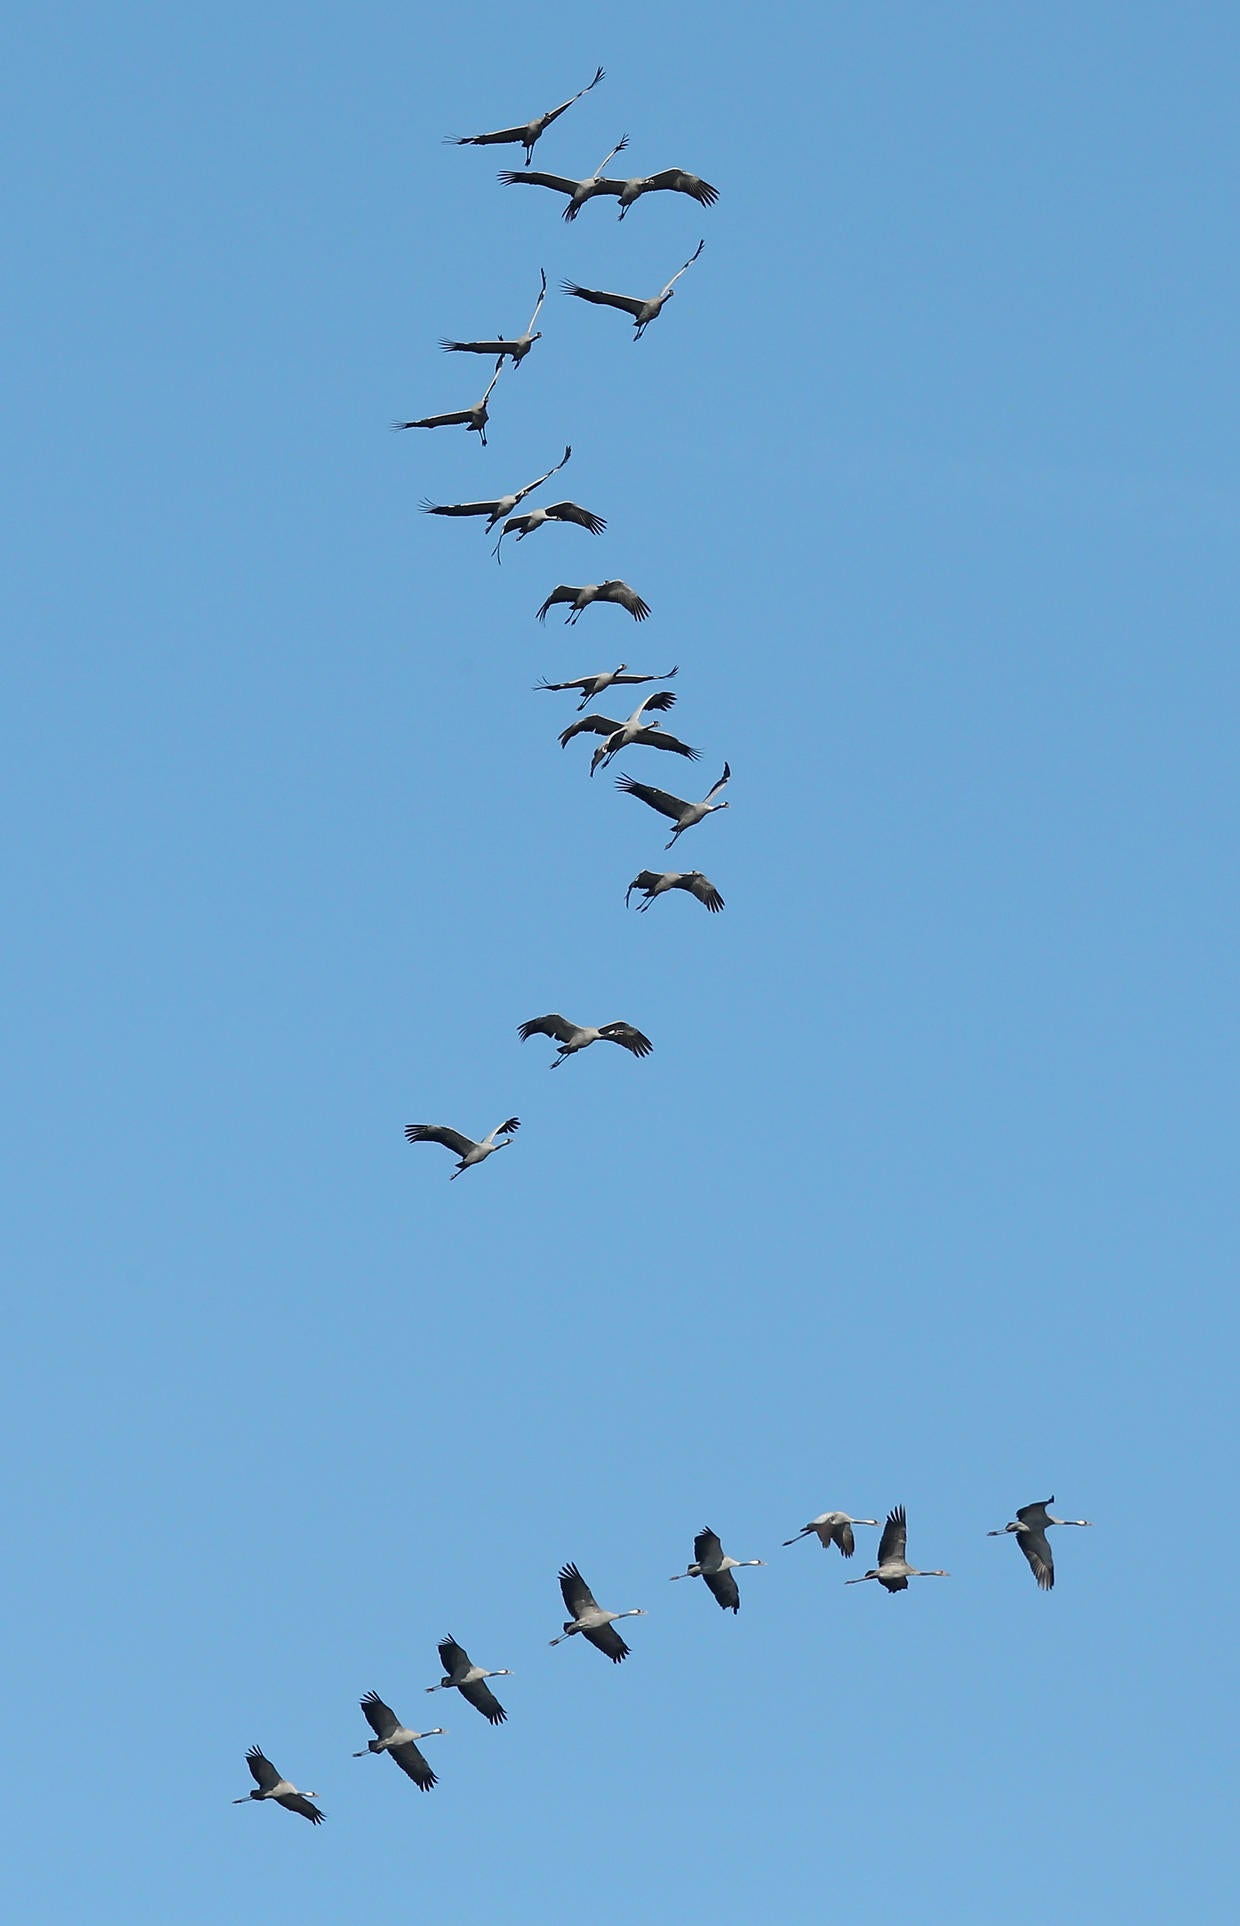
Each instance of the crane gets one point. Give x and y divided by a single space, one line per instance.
642 311
832 1528
473 420
636 730
714 1565
572 1037
594 685
589 1618
579 192
1030 1526
526 136
581 598
461 1146
657 882
672 180
571 512
470 1680
502 505
649 737
391 1736
517 349
893 1570
270 1785
683 814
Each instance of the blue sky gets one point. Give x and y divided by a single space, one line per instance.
929 475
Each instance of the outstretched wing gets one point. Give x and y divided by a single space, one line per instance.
607 1639
723 1587
509 1127
513 177
670 806
564 592
453 1657
707 1548
578 1597
436 421
589 725
895 1536
298 1802
458 508
484 1700
842 1533
262 1771
379 1717
628 303
439 1134
476 347
627 1037
674 180
688 264
542 295
629 599
1037 1549
722 783
705 891
570 512
411 1762
659 739
546 1026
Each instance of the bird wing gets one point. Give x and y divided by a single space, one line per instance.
484 1700
1036 1516
546 1026
509 1127
628 302
564 592
439 1134
578 1597
722 783
589 725
581 682
437 421
458 508
542 295
298 1802
895 1536
453 1657
627 1037
475 347
531 486
555 112
1037 1549
379 1717
723 1586
705 891
497 139
411 1762
674 670
262 1771
675 180
655 738
669 806
662 700
647 880
842 1533
513 177
629 599
570 512
688 264
607 1639
707 1549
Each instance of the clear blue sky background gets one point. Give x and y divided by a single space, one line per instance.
929 475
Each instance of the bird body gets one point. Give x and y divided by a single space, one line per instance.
571 512
832 1528
581 598
473 420
647 736
673 180
269 1784
1030 1526
657 883
594 685
713 1565
573 1037
893 1570
528 134
463 1147
643 311
634 730
684 814
515 349
501 506
391 1736
470 1680
578 192
589 1618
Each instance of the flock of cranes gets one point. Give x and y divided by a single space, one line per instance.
716 1568
596 1624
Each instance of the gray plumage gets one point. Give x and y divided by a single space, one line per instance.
473 420
589 1618
270 1784
684 814
516 349
581 598
715 1567
893 1570
573 1037
529 133
470 1680
832 1528
398 1740
1030 1526
594 685
643 311
461 1146
502 504
657 882
578 192
671 180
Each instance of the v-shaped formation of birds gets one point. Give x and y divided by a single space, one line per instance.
714 1566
